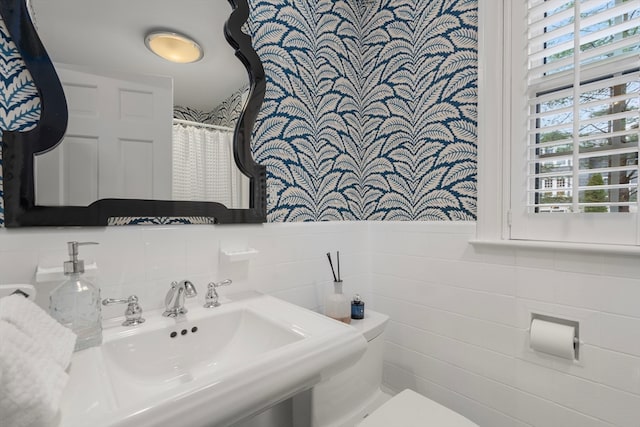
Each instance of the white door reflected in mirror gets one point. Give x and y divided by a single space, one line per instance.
117 144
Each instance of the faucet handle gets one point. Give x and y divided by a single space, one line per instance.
133 313
211 300
225 282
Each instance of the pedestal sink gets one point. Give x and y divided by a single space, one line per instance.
212 367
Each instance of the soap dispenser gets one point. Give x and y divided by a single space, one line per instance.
75 303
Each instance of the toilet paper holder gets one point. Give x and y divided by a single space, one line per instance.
566 346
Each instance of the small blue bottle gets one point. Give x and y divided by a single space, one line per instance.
357 307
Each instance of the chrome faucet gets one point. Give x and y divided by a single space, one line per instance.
174 301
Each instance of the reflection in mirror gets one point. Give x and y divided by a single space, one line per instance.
123 139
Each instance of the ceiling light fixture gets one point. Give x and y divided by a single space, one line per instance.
174 47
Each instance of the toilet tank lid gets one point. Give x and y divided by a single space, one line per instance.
372 325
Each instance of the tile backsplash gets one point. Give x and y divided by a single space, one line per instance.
140 260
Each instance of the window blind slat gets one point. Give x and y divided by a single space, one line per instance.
609 170
586 188
539 54
539 10
586 138
551 113
557 94
620 48
580 204
594 71
584 171
585 105
552 128
539 41
609 152
618 54
609 117
559 86
617 11
609 31
550 144
606 187
551 175
616 79
618 134
588 155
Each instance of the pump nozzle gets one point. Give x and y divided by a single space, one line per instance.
74 265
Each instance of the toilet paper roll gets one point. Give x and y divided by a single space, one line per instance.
553 338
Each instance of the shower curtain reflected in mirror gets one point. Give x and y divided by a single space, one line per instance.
204 168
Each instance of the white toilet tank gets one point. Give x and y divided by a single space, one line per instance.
344 399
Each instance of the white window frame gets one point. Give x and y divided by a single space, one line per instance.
494 135
492 220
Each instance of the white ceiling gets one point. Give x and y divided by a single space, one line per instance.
109 35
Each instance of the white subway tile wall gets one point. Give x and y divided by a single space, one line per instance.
459 314
144 260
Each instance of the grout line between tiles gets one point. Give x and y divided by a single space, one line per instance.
449 285
511 387
445 311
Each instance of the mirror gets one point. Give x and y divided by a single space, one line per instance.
156 167
134 150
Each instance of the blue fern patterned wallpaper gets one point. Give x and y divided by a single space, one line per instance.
370 111
192 114
19 101
420 59
226 114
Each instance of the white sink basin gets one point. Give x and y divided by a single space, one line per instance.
221 365
154 361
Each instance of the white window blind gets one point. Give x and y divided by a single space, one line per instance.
581 109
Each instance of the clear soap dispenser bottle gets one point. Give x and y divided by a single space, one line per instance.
75 303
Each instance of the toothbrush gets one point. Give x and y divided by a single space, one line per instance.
332 270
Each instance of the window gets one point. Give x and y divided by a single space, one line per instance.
574 120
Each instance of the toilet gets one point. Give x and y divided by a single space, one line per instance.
355 397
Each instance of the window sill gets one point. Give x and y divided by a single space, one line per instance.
560 246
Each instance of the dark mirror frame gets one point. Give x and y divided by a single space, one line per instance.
19 147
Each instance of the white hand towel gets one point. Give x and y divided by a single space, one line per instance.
31 383
33 321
